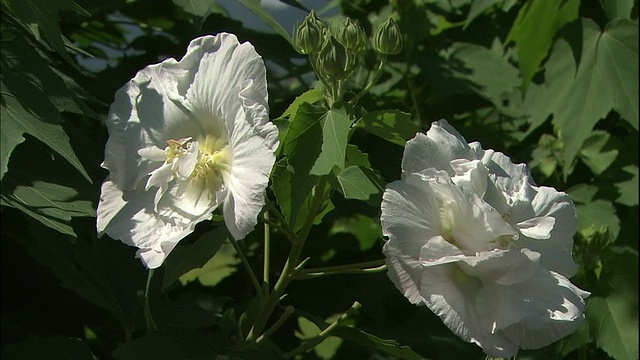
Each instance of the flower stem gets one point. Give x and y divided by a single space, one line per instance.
309 344
374 79
245 262
287 312
368 267
291 267
151 324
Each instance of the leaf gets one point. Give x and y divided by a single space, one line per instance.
33 96
599 213
354 183
335 130
613 320
582 89
302 147
465 68
186 257
57 348
618 9
582 193
477 8
365 229
219 267
200 8
628 190
392 125
390 347
593 155
41 18
327 348
282 122
168 344
256 8
534 29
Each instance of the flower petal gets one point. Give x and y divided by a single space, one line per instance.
537 228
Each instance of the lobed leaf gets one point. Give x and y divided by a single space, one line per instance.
392 125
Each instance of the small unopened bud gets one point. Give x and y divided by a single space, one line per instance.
334 61
387 40
309 35
352 36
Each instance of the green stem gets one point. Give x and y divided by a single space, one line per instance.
374 79
151 324
291 237
368 267
289 271
245 262
267 252
309 344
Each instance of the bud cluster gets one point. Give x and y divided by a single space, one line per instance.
334 53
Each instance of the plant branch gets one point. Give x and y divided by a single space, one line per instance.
245 262
148 318
359 268
372 82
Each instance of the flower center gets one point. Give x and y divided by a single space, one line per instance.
213 164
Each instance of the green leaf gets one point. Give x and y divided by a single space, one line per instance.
335 130
477 8
618 9
628 190
613 320
199 8
356 157
580 91
57 348
327 348
582 193
219 267
593 155
365 229
41 18
168 344
256 8
534 29
390 347
186 257
599 213
392 125
354 183
311 96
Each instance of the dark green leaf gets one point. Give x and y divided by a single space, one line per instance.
618 9
335 130
185 257
48 349
168 344
199 8
365 229
533 32
220 266
392 125
390 347
477 8
599 213
580 91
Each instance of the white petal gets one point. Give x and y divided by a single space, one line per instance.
153 153
471 175
441 144
159 176
404 272
537 228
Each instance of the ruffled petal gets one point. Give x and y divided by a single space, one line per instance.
404 272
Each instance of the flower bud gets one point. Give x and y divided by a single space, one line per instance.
310 34
334 61
352 36
387 40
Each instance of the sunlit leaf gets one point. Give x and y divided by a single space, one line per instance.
599 213
533 32
356 184
580 94
365 229
256 8
324 350
222 265
593 153
335 130
628 190
392 125
390 347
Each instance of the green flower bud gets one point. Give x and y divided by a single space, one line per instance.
352 36
387 40
334 61
310 34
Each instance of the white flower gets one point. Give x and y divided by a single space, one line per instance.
473 238
186 137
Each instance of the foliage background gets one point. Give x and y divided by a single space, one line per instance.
550 83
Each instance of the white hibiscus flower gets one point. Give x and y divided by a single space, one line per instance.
186 137
464 228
